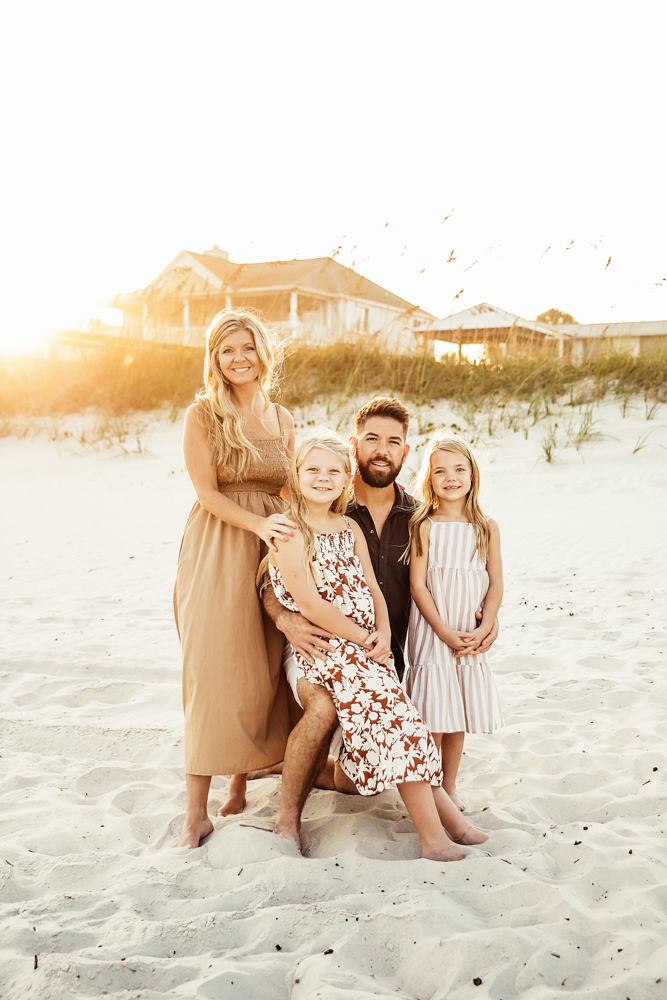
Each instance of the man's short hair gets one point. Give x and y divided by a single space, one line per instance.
382 406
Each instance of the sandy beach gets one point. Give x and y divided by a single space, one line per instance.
572 900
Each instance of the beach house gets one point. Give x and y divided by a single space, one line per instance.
483 326
316 300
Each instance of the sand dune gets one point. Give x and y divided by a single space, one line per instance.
571 901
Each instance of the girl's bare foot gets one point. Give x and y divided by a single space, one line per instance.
195 828
454 796
471 835
235 801
447 853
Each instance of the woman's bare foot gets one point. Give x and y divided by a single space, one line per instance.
233 804
447 853
235 801
195 828
471 836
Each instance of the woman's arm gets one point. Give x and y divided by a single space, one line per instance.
288 426
301 585
382 636
421 595
202 472
494 595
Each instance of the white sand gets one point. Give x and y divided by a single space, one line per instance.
572 901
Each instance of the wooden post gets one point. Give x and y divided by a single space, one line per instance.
228 302
293 312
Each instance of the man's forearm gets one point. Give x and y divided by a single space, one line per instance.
274 609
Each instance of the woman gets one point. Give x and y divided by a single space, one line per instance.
237 447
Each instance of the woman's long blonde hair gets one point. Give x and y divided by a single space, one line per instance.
428 501
217 411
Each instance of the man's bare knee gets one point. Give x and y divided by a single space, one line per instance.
318 707
342 783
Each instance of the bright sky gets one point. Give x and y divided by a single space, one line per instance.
133 130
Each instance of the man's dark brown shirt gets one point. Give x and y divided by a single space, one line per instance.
392 575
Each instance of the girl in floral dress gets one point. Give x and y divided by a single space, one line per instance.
324 571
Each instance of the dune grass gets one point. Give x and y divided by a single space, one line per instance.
140 378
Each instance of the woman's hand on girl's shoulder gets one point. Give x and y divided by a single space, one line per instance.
276 528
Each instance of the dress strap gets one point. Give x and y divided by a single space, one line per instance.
280 423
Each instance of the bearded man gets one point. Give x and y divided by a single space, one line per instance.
382 509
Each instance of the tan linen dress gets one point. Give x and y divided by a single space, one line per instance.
234 690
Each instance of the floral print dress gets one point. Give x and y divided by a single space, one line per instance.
385 741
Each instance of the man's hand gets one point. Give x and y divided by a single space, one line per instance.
307 639
485 643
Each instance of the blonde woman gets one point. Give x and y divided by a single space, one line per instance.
455 570
324 571
237 446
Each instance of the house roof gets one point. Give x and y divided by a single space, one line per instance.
644 328
316 274
487 317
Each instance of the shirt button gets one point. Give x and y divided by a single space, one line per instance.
372 532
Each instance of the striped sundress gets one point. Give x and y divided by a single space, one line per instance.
451 694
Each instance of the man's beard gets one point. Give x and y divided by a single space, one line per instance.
375 477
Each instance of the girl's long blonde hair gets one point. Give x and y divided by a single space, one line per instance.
428 501
296 507
216 409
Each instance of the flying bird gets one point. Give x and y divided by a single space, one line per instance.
422 270
471 265
403 250
606 266
659 284
385 225
569 244
447 217
451 258
458 294
546 251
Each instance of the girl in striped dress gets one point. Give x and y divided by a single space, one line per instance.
455 571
